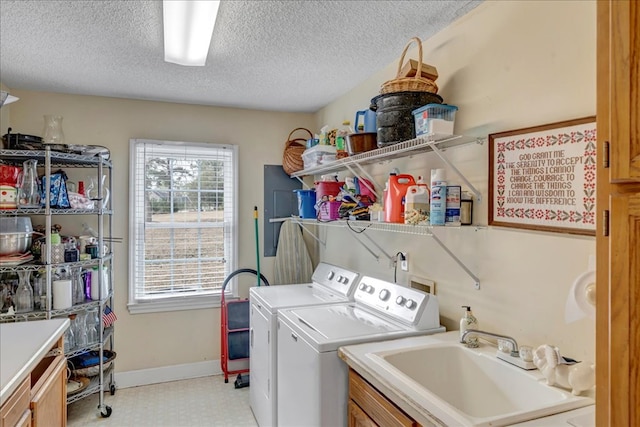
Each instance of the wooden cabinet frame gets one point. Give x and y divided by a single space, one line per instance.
618 207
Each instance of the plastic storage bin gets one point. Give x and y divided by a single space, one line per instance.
328 211
306 203
318 155
435 119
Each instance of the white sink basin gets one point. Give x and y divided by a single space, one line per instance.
462 386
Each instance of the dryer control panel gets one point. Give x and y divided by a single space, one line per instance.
339 279
408 305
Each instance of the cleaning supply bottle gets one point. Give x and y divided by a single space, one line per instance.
438 204
394 197
469 321
416 206
341 139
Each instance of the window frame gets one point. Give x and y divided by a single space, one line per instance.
179 302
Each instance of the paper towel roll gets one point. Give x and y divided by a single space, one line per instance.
62 294
581 299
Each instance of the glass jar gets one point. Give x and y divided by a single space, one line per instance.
24 294
69 337
52 132
39 290
92 325
29 185
79 325
78 285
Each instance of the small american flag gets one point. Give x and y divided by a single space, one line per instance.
108 317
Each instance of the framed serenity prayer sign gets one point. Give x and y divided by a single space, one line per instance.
544 177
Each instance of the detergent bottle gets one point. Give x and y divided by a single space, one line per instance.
394 197
416 206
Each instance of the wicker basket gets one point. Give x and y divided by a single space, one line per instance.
92 370
292 157
416 83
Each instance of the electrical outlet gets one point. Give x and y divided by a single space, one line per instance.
404 263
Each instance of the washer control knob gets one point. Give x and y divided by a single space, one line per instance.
400 300
410 304
384 294
339 279
363 287
345 280
330 275
370 289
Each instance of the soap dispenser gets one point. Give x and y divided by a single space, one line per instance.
469 321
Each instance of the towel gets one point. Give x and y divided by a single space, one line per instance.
293 263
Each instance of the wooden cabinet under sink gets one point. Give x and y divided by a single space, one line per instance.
367 407
41 398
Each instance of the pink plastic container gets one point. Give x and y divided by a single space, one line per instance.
328 211
326 189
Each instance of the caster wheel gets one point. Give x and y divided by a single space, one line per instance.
112 389
106 412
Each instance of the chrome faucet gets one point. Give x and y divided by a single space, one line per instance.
514 351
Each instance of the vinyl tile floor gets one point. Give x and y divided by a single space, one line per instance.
205 401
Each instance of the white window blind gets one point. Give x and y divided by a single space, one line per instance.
183 220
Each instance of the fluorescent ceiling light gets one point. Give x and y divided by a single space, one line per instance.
188 26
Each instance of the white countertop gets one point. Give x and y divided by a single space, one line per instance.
356 357
22 346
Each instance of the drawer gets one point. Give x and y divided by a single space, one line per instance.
17 406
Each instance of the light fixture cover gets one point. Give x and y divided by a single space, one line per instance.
188 26
5 98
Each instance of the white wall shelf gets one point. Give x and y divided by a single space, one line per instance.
359 228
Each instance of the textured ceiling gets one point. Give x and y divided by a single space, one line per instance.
268 55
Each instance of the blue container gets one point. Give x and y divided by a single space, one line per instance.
306 203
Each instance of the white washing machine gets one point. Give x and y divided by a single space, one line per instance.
330 285
312 380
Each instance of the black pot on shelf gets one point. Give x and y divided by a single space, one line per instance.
394 114
18 141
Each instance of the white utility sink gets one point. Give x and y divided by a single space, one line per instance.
462 386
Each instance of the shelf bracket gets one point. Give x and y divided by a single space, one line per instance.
301 224
368 177
444 158
364 245
304 184
457 260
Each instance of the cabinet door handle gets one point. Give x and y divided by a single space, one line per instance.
251 337
294 336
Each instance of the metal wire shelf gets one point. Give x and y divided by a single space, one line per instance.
413 146
36 266
58 158
92 346
94 386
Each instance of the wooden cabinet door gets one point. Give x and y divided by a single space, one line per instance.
49 396
624 83
625 310
618 221
376 407
16 408
357 417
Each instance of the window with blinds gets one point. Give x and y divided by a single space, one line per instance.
182 222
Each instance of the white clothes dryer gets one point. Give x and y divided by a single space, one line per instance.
312 380
330 285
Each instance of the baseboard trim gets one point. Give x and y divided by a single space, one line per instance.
167 373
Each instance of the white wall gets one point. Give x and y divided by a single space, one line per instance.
180 337
507 65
